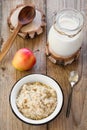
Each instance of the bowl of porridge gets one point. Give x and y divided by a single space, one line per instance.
36 99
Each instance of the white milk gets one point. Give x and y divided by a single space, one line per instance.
64 45
68 23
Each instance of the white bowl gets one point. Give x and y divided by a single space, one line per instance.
33 78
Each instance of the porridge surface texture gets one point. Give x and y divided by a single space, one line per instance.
36 100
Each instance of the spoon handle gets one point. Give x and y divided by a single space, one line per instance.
69 103
9 42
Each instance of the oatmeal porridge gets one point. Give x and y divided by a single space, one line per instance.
36 100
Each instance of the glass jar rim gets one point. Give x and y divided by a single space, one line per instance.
70 12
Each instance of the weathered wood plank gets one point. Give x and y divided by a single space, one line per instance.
61 75
8 75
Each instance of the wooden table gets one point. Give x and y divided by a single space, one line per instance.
8 75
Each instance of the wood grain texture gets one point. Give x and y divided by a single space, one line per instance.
77 118
8 75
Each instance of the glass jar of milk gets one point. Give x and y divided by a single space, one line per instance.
66 34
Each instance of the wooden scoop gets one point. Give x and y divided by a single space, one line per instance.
26 16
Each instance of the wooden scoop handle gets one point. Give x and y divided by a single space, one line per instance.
7 45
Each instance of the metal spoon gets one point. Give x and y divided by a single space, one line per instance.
73 79
26 16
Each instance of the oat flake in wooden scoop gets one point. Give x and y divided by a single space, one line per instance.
26 16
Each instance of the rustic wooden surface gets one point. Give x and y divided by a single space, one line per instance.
8 75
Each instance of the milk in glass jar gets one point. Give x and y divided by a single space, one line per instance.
66 34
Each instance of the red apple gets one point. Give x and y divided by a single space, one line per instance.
24 59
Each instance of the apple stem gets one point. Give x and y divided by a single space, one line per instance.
36 51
